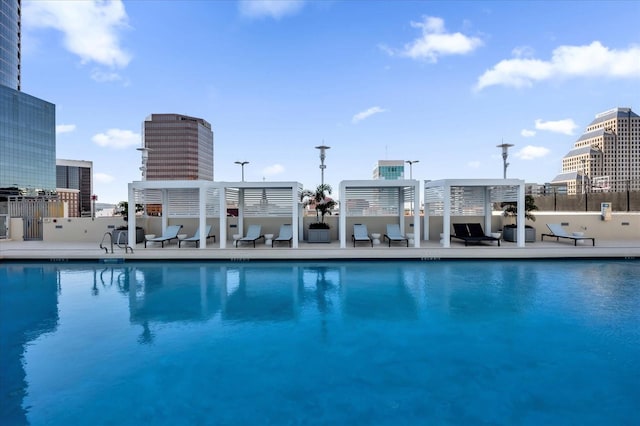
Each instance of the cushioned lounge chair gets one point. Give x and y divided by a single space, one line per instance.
558 232
360 233
254 233
462 231
285 235
394 234
476 231
196 237
171 233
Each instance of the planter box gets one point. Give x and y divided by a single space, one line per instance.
319 236
122 236
509 234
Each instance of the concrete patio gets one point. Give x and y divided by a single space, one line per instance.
64 251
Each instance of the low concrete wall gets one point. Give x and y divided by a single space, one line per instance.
79 229
622 226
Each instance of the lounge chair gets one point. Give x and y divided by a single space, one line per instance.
254 233
476 231
558 232
196 237
360 233
463 231
394 234
171 233
285 235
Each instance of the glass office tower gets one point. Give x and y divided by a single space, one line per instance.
10 43
27 144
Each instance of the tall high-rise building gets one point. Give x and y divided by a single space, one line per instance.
27 124
10 43
178 147
28 148
606 157
76 176
389 170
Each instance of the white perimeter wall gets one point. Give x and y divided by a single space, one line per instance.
622 226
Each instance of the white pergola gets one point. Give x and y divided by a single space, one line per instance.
471 197
377 198
206 199
260 199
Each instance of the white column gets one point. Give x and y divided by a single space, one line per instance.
343 216
294 216
222 202
520 216
446 216
202 198
487 211
165 210
416 215
131 217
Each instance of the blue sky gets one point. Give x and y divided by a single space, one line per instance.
438 82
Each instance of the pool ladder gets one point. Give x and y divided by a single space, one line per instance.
125 246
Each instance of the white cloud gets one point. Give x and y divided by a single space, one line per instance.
594 60
528 133
65 128
103 178
269 8
117 138
435 42
105 76
566 126
273 170
366 114
91 28
531 152
473 164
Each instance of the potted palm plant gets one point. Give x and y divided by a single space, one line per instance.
323 204
510 210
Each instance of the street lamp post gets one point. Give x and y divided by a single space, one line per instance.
583 166
614 167
323 149
505 148
145 159
144 151
411 163
242 164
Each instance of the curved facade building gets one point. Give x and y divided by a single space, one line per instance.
10 43
179 147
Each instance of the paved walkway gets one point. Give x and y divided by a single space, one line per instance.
37 250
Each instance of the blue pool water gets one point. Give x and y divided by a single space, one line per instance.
373 343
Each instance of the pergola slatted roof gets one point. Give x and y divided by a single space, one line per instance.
471 197
376 198
206 199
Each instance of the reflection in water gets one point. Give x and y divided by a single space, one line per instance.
266 293
381 294
422 335
28 309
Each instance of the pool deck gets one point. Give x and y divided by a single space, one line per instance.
38 250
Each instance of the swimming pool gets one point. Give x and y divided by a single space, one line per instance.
448 342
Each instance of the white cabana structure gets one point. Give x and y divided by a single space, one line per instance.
180 199
471 197
206 199
379 198
264 199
